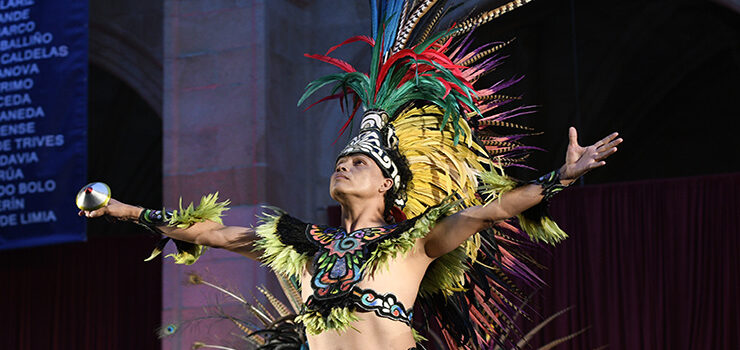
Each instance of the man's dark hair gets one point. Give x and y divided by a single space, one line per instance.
405 172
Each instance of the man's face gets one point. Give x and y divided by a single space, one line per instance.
357 175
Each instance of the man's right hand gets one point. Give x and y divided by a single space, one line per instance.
115 209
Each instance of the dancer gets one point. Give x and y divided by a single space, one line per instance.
426 206
359 185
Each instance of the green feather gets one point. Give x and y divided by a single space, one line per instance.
544 229
417 336
494 183
386 86
445 274
319 83
445 118
208 209
339 319
375 64
391 248
158 248
187 253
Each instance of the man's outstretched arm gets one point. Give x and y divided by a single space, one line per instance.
452 231
234 238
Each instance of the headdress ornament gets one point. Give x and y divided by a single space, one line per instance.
375 140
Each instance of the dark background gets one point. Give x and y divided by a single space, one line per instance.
98 294
665 74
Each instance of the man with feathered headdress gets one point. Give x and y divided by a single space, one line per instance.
425 203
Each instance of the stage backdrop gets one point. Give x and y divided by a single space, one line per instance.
43 120
649 265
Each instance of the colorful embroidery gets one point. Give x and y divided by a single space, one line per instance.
385 305
338 264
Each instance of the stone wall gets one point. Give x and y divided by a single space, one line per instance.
233 72
214 140
300 144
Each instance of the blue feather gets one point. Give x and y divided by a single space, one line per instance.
393 16
383 18
374 18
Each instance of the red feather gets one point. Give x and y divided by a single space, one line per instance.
334 61
380 65
327 98
388 63
364 38
341 131
446 85
458 89
398 214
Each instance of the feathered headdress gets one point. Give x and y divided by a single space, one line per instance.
420 100
437 69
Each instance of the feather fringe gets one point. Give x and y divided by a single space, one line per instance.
339 320
208 209
445 274
187 256
494 183
535 222
542 229
278 256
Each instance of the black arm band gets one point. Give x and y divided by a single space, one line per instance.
150 219
550 183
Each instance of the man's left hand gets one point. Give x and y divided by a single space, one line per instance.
580 160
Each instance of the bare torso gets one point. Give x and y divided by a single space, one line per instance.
402 278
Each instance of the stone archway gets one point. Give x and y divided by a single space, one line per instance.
126 40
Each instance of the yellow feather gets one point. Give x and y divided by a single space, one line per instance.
440 166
